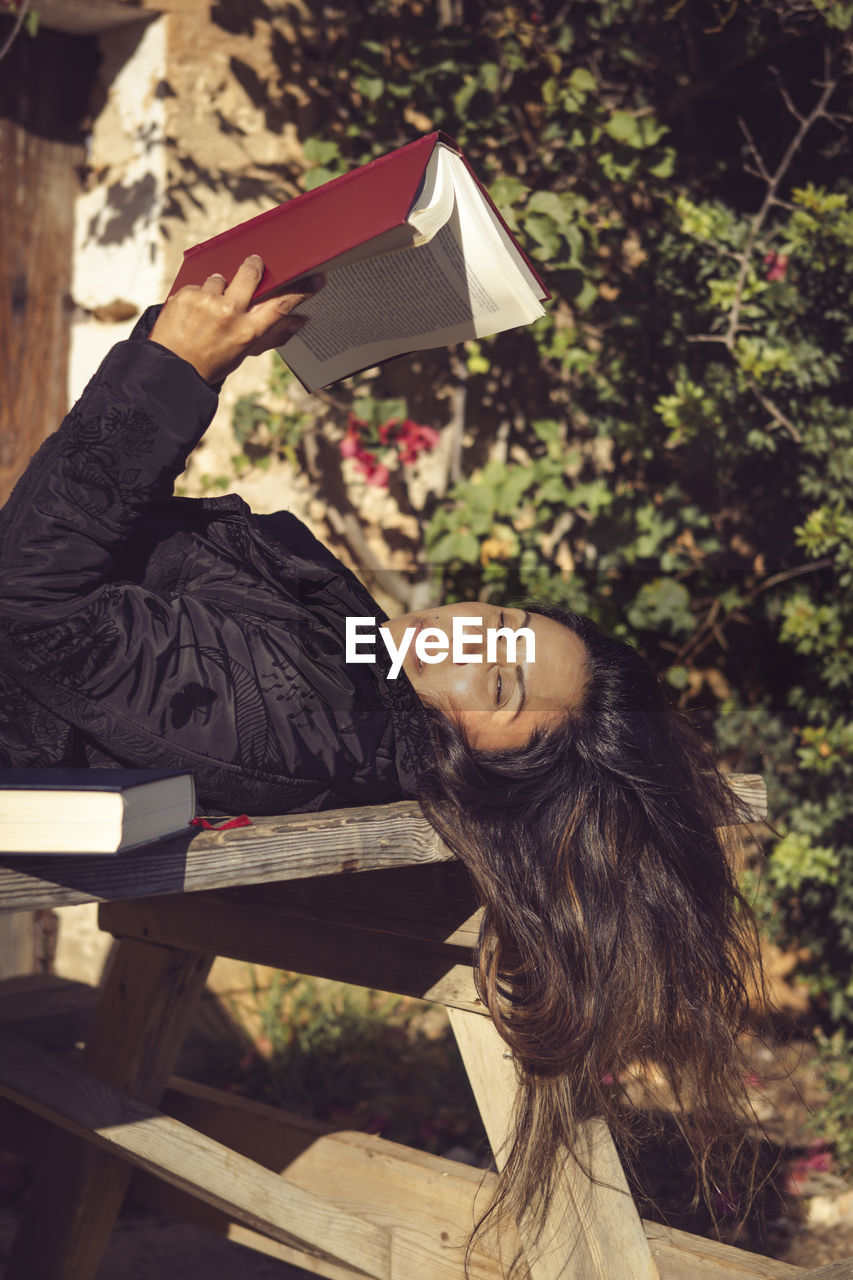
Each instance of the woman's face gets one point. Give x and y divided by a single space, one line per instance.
500 702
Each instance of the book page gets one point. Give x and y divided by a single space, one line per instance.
450 289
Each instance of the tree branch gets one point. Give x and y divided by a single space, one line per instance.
19 22
776 414
456 425
771 199
774 180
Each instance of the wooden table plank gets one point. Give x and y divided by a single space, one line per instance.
842 1270
592 1230
682 1256
94 1110
292 847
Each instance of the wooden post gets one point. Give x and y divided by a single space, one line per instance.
593 1231
45 87
44 93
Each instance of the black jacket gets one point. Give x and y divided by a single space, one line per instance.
140 629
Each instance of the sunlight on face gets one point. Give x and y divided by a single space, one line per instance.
499 703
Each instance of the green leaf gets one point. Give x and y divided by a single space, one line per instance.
548 429
490 76
662 605
583 80
623 127
320 152
371 87
316 177
516 482
664 166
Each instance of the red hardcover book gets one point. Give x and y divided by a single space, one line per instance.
415 254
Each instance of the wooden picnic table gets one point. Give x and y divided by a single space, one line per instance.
369 896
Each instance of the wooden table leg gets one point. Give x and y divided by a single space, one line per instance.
148 998
593 1231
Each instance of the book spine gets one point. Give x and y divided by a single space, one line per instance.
307 197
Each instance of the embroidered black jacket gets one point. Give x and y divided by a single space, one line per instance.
140 629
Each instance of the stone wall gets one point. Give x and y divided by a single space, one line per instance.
178 152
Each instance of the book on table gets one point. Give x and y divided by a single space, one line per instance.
415 254
91 810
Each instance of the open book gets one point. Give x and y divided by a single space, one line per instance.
415 256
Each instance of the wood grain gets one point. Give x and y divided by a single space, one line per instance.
148 997
187 1159
44 96
288 848
293 847
260 932
842 1270
682 1256
431 1196
426 1203
593 1230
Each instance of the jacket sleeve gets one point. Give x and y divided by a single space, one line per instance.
171 678
149 679
119 450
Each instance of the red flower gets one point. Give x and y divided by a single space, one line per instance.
777 265
415 438
378 476
410 438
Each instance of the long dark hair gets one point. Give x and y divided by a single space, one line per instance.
613 931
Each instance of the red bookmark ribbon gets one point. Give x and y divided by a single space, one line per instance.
222 824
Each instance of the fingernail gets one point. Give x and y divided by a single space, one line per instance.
256 259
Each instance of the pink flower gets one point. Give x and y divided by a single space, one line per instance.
368 465
351 443
799 1170
411 439
364 462
777 265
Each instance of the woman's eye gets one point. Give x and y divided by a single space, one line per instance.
498 691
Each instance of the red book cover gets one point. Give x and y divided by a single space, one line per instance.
302 234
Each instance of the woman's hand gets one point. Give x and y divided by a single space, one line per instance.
214 326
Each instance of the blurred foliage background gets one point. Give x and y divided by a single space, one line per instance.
671 448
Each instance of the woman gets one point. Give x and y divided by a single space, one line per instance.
140 629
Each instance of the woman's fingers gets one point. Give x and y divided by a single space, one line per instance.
246 279
215 283
274 312
215 327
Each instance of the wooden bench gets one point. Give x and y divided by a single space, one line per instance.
283 892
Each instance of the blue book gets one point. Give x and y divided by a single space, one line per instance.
47 811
